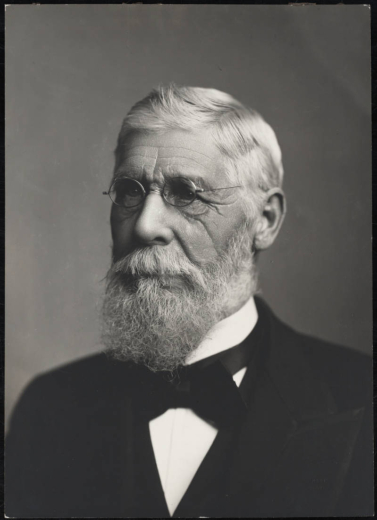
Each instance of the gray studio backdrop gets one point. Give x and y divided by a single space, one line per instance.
72 73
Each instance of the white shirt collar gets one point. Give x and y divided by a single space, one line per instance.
227 333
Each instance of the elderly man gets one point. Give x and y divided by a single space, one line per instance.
204 404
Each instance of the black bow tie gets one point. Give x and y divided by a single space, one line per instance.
207 387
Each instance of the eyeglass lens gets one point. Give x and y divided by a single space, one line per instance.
129 193
179 191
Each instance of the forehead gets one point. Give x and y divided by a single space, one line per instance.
174 152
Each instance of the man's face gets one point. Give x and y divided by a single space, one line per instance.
201 230
176 270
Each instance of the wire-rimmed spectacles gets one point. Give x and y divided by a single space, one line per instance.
176 191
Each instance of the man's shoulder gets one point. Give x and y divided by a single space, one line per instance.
95 367
85 382
345 371
326 357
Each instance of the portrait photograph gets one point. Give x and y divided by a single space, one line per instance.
188 261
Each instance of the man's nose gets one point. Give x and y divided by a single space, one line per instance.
152 224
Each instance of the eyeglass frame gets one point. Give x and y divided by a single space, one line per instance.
144 191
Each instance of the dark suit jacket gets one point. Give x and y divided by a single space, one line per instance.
77 448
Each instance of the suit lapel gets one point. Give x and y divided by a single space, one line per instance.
261 441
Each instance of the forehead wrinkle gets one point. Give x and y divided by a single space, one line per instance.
152 149
161 147
167 152
188 149
169 160
131 156
206 165
189 160
135 171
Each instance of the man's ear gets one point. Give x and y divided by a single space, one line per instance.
270 219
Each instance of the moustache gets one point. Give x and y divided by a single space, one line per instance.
156 261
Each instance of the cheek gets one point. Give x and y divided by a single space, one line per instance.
206 239
199 246
121 232
221 228
220 236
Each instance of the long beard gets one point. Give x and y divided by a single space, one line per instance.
158 305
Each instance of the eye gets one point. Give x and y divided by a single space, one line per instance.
179 191
127 193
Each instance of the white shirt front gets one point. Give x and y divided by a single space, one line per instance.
180 438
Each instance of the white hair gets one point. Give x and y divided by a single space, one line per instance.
251 151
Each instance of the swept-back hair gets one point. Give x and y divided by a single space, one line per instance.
251 151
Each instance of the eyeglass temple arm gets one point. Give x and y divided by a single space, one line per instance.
201 190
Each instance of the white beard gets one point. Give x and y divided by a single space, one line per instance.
159 306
